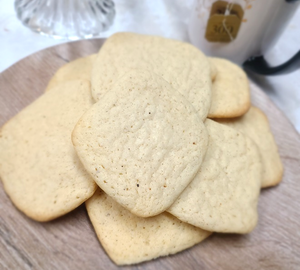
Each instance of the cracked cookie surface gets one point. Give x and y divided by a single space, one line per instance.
255 125
223 196
143 143
182 65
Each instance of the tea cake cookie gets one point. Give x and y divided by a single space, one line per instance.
39 168
223 196
79 69
255 125
142 143
129 239
230 90
181 64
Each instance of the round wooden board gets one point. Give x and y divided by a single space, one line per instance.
70 242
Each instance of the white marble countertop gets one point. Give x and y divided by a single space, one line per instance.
166 18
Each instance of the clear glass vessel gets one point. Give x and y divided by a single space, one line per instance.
67 19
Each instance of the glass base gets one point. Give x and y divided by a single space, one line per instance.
66 19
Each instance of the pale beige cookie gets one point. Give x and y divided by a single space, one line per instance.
143 143
230 90
223 196
129 239
180 64
255 125
79 69
39 167
213 69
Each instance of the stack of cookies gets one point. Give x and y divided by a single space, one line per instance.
159 141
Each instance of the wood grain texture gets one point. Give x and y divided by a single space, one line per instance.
70 242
